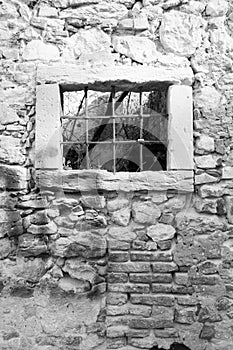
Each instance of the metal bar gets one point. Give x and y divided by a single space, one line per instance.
116 142
113 130
86 126
141 132
115 116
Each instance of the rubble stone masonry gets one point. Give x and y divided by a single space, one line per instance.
104 261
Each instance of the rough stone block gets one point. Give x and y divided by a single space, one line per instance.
121 217
207 161
11 150
145 212
121 234
205 143
38 50
47 229
229 208
216 8
7 114
6 248
139 49
180 33
13 177
227 173
30 245
161 232
82 244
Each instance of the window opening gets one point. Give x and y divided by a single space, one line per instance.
115 131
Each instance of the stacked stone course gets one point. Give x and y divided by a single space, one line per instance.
116 269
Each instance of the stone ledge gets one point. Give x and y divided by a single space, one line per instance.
94 180
71 76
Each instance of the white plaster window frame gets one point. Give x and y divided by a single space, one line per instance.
48 160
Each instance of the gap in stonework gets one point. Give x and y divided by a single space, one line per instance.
175 346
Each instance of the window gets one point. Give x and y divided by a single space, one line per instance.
118 145
115 131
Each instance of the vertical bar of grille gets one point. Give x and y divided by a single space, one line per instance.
141 132
86 126
113 130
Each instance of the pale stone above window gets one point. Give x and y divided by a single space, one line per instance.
49 142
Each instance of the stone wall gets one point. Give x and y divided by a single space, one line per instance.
109 268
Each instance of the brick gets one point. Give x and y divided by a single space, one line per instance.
117 310
207 280
137 333
128 309
117 277
161 288
117 298
117 321
118 245
185 316
164 267
152 323
149 278
186 301
118 256
116 331
140 310
151 256
129 288
176 289
160 300
129 267
143 323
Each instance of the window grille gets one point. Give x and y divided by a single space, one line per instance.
116 130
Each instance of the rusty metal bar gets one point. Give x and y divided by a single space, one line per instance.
87 126
116 142
116 116
141 131
113 129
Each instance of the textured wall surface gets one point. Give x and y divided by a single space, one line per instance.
111 269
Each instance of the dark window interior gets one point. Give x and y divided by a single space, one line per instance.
115 131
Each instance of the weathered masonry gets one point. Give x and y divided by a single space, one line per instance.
116 175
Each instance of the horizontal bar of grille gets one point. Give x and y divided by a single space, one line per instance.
115 116
110 142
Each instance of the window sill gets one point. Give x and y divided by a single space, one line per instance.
92 180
